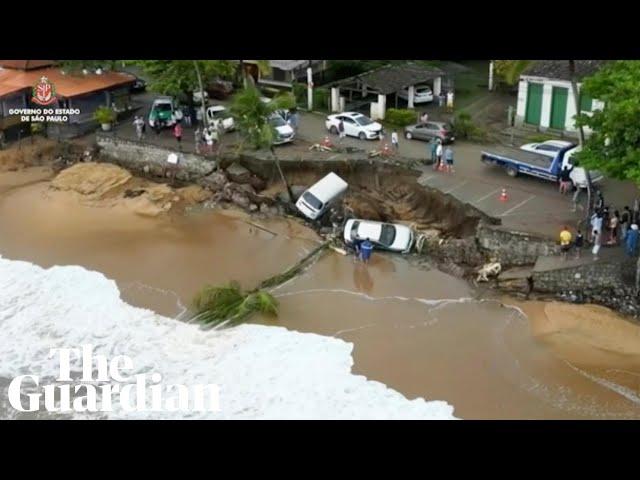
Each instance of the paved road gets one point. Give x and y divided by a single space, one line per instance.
533 205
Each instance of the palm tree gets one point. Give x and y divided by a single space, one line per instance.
228 305
252 116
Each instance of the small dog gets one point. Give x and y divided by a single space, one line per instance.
490 269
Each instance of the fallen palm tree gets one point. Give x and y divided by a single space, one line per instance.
228 305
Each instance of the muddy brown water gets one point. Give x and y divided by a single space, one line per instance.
421 332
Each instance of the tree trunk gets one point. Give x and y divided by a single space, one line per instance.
284 180
201 87
576 98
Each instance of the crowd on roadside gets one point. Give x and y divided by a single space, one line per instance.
607 227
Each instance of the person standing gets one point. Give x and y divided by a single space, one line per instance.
394 141
596 222
139 124
625 221
565 242
564 178
366 249
613 228
578 244
293 120
341 133
631 240
450 101
439 155
448 158
424 118
433 144
177 132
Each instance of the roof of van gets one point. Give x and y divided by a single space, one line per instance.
328 187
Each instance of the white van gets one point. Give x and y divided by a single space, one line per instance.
315 200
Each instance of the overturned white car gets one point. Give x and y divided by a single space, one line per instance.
392 237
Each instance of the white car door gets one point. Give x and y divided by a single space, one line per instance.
351 128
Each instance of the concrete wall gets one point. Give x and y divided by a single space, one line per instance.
598 276
150 159
512 247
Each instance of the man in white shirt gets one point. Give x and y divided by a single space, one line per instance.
394 141
439 156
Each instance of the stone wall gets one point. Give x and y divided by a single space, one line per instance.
144 158
592 275
513 247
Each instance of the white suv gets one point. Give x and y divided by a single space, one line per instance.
355 125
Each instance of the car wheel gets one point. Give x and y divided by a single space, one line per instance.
333 130
512 171
408 136
362 136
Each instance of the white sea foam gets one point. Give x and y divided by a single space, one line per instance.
263 372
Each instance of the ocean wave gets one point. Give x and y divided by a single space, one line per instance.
264 372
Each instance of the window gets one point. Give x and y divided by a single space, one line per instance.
388 235
586 103
312 200
279 75
348 120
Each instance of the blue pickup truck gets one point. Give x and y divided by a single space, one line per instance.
517 160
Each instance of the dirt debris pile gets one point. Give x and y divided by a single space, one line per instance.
107 185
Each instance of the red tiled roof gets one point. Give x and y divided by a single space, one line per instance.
26 64
66 85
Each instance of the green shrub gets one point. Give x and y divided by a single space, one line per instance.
463 127
400 117
300 92
104 115
321 98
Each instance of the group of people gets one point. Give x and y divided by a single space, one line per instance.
208 138
606 228
363 250
613 228
441 158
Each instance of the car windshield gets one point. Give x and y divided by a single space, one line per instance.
312 201
217 113
388 235
354 230
277 121
163 107
363 121
423 90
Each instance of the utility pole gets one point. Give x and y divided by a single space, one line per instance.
491 75
310 86
202 103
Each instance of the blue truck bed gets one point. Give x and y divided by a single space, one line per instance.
517 161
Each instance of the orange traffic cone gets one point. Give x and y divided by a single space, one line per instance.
503 195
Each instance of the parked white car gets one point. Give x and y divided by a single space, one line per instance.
217 114
550 148
285 132
421 94
197 97
393 237
355 125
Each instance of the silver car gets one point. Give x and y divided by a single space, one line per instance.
429 130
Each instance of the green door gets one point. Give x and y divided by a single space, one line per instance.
534 104
559 107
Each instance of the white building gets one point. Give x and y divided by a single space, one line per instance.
545 98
